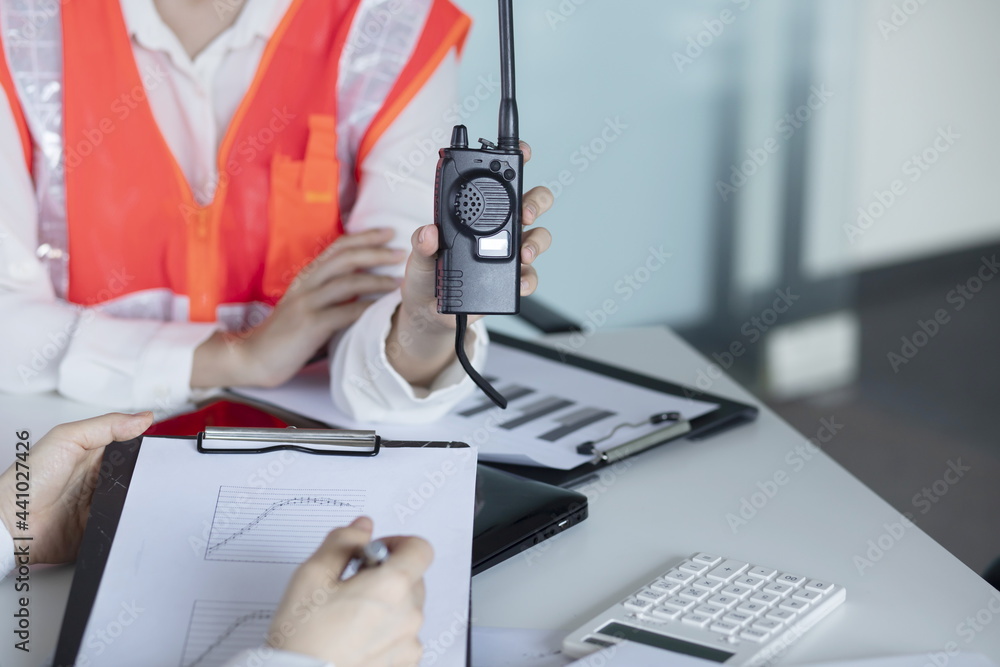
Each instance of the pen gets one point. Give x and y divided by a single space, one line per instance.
675 430
373 554
590 447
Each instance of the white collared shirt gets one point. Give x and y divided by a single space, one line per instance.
194 103
140 363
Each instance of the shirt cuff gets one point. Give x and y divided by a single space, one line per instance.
164 377
266 656
131 364
366 387
6 551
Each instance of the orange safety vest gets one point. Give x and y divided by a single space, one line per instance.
131 217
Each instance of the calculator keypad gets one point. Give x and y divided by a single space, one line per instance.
725 598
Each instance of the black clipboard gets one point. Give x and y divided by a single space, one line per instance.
728 415
108 503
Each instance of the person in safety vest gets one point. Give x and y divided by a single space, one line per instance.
205 193
372 618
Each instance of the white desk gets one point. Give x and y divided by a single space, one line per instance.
667 504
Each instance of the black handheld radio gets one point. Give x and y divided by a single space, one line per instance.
477 210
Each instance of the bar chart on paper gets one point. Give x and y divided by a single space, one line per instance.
266 525
552 408
565 423
559 408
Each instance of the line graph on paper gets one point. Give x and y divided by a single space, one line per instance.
220 630
277 525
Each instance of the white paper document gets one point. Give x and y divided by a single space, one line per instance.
553 407
207 543
517 647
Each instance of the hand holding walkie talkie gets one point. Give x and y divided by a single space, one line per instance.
478 213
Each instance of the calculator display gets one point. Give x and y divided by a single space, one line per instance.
638 636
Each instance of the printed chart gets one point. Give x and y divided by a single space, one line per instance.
562 415
220 630
277 525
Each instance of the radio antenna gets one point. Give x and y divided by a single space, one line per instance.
508 132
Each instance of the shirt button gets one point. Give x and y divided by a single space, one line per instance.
46 251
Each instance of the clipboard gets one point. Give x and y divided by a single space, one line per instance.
111 493
308 395
729 414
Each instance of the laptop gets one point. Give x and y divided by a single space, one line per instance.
514 513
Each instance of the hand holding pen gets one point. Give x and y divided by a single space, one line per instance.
371 555
371 618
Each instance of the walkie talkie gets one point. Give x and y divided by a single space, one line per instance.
477 210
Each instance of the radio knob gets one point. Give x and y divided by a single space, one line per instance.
460 137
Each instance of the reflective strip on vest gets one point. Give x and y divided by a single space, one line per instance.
379 44
381 40
32 39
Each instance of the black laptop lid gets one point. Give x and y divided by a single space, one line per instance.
514 513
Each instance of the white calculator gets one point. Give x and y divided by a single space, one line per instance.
712 607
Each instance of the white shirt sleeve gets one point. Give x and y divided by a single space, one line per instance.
397 190
51 344
366 387
396 185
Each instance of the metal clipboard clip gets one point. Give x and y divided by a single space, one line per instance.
330 442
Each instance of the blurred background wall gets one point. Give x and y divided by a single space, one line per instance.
809 183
